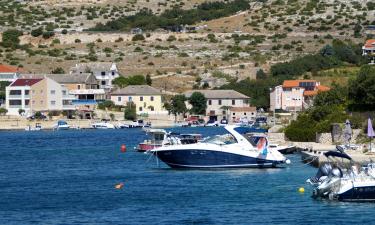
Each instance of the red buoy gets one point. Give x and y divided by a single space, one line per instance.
123 148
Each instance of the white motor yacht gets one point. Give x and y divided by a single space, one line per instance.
231 150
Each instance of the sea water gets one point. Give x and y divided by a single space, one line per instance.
69 177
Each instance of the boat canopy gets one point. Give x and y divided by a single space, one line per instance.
61 122
244 130
337 154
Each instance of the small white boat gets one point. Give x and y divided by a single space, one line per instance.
103 125
37 127
61 125
336 181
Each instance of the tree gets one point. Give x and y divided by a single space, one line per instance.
148 79
107 104
336 96
21 112
37 32
112 116
205 85
177 105
58 70
362 89
327 50
130 112
132 80
138 37
11 38
261 75
3 111
198 103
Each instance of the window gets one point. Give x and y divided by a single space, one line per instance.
64 92
119 99
53 102
233 102
27 92
210 102
244 114
79 86
113 73
141 98
15 102
33 91
53 92
103 73
234 114
103 82
219 101
224 113
27 102
41 102
41 91
152 98
130 99
140 109
33 102
15 92
152 108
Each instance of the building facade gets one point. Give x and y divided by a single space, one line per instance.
295 95
220 102
146 98
32 95
104 72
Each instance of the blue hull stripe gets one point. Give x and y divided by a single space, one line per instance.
210 159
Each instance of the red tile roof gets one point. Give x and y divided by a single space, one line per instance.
294 83
9 69
370 43
323 88
25 82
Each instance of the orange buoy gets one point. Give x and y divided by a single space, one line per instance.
119 186
123 148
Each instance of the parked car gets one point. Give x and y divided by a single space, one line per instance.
212 123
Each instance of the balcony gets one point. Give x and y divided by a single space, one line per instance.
14 96
15 106
68 97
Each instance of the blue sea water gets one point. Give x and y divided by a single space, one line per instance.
68 177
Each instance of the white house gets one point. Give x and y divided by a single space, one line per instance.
369 47
220 102
105 72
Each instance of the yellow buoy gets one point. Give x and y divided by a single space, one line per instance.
119 186
301 190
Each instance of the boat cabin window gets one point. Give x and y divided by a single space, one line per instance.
225 139
254 140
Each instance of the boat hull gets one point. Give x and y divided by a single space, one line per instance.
194 158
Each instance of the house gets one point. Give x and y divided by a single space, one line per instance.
37 94
295 95
221 102
9 73
105 72
84 87
237 114
146 98
369 47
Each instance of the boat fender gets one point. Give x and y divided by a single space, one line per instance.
123 148
301 190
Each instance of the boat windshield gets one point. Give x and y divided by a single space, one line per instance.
225 139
